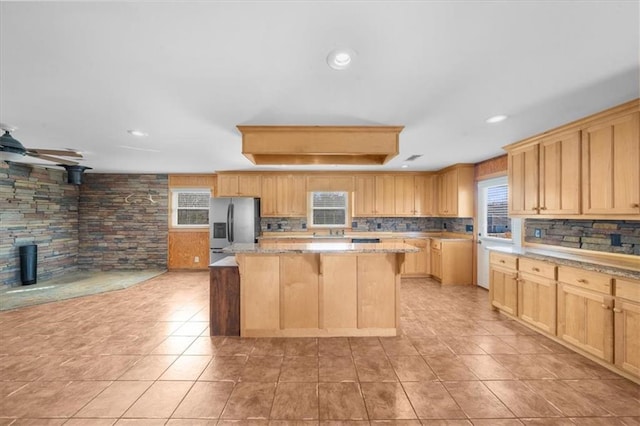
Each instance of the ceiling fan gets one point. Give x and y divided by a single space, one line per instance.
13 149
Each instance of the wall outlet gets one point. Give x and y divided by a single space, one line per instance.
304 225
354 224
379 225
279 226
468 228
444 225
268 226
537 232
196 259
616 240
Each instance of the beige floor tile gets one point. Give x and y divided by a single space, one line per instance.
486 368
450 368
141 422
521 400
430 400
204 346
334 346
204 400
295 401
90 422
261 369
341 402
336 369
411 368
268 347
299 369
477 401
524 366
306 346
186 367
173 345
114 400
149 368
250 400
191 328
159 400
387 401
224 368
375 370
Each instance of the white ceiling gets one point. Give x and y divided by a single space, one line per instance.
79 74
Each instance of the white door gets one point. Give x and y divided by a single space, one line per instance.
495 228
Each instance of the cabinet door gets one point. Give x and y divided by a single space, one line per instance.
585 319
227 186
560 174
503 290
537 302
611 167
436 263
405 195
523 181
365 193
249 185
385 195
448 193
417 263
424 195
291 196
627 330
268 198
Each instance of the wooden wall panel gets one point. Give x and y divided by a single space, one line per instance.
491 168
192 181
185 246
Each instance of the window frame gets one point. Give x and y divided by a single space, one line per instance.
347 211
173 214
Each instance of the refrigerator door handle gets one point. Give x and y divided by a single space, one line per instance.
231 224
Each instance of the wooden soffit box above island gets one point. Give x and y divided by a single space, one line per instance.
297 145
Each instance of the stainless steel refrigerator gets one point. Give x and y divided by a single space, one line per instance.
233 220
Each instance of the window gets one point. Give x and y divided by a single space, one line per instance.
498 221
190 208
328 209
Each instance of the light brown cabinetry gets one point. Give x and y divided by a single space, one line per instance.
544 176
374 195
238 185
585 311
451 260
537 294
283 196
455 189
627 325
611 166
417 264
414 195
503 284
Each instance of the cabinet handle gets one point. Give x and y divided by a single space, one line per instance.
534 208
583 281
543 208
635 205
605 306
535 269
502 261
617 311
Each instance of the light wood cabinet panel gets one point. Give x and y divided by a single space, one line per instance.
374 274
585 320
455 191
417 264
283 196
299 291
523 181
537 302
185 247
339 292
405 195
238 185
627 335
503 289
365 196
424 195
560 174
259 293
385 195
268 199
611 167
436 262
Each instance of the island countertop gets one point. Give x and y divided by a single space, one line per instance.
248 248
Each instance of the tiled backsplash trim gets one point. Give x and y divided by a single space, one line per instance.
37 206
373 224
119 227
586 234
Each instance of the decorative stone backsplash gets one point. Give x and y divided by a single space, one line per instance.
37 206
373 224
597 235
119 226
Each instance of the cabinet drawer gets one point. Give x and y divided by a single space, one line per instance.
503 260
585 279
628 289
436 244
537 267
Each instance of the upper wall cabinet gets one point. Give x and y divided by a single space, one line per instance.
238 185
544 176
374 195
455 189
611 166
589 168
283 196
414 195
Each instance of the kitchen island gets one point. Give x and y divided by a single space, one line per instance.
320 289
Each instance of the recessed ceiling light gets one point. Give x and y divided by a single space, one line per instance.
496 119
138 133
340 59
404 166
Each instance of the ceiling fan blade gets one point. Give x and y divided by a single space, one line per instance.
53 159
61 152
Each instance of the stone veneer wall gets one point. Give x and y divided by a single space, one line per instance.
37 206
585 234
372 224
117 233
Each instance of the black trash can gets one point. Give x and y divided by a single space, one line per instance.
28 264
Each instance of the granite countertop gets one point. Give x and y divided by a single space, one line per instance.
321 248
367 234
624 268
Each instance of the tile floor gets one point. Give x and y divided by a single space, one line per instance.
142 356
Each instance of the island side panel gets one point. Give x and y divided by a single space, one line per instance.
224 303
299 291
338 292
377 302
259 292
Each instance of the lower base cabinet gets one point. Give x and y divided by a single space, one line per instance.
585 320
627 325
504 290
537 302
417 264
